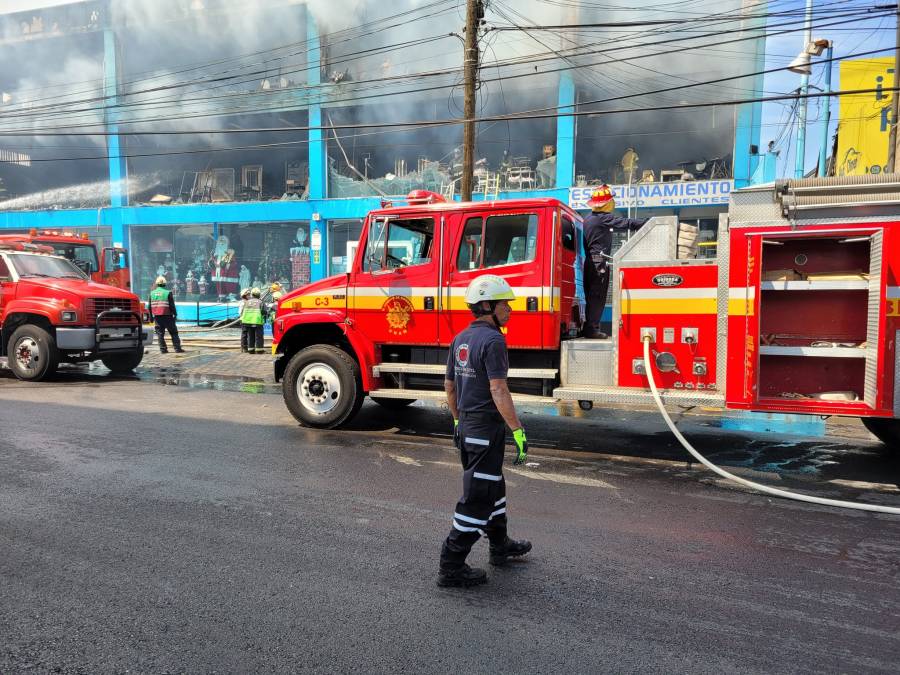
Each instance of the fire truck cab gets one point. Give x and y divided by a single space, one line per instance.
109 267
52 313
799 311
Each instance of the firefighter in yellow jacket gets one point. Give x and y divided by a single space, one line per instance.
253 316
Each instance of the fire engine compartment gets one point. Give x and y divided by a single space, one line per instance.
814 316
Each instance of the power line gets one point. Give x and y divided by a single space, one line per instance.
513 76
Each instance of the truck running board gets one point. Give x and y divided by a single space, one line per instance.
633 396
437 396
439 369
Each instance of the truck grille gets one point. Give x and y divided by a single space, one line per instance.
94 306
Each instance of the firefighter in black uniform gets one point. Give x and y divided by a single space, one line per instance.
598 240
479 399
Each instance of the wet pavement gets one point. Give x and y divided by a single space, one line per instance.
847 460
162 527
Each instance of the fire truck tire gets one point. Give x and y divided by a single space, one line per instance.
322 387
393 403
885 429
123 363
32 353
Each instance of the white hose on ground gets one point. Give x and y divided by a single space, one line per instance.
743 481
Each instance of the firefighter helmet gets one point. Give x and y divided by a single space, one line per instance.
161 280
601 197
255 292
245 292
275 287
488 287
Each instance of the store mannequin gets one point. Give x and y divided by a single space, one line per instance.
223 269
300 258
244 277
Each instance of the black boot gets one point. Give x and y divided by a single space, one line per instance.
511 548
461 576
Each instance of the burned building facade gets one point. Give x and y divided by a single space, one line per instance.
227 139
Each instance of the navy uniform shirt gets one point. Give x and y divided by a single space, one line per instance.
598 236
477 355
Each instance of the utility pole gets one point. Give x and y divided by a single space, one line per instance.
800 159
474 14
895 100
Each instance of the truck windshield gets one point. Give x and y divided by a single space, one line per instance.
29 265
84 256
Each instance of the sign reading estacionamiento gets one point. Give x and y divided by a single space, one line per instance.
865 125
660 195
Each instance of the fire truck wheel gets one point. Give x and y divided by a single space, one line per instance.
322 387
393 403
123 363
886 430
32 353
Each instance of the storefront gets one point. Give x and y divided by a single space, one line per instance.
210 262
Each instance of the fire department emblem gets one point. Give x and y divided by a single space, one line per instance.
462 355
398 311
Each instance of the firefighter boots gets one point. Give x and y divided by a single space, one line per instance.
501 553
461 576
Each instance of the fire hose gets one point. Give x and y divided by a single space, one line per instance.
743 481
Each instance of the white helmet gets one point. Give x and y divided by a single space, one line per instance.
160 280
488 287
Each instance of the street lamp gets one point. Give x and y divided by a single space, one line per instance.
801 65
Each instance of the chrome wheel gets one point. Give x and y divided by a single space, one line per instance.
319 388
27 353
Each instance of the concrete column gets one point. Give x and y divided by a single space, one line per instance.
565 133
748 116
318 161
118 170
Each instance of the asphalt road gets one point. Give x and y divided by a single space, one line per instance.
155 528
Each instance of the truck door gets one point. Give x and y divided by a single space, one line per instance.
506 243
114 268
393 291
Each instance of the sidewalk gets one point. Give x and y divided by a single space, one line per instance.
212 353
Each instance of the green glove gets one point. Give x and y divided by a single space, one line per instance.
521 446
456 433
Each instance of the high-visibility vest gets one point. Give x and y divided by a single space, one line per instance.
159 302
252 313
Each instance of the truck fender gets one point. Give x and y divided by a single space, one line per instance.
325 321
38 306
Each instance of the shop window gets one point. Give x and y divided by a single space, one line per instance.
409 242
207 264
503 240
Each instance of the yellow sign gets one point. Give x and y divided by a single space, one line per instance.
864 125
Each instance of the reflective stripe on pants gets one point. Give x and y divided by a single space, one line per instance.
482 507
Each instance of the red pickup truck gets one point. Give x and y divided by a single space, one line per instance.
52 313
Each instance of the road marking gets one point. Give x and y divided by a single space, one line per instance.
536 475
563 478
883 487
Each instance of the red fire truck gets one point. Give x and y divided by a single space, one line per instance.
52 313
110 267
799 312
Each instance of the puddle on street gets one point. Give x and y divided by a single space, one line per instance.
175 377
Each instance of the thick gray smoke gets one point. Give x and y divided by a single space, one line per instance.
57 57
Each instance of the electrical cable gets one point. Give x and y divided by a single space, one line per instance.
527 60
877 508
420 89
